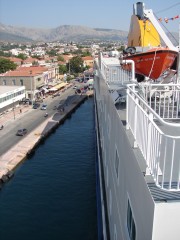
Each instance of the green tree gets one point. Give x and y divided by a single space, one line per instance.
23 47
52 52
5 54
62 69
21 56
75 65
78 52
6 65
85 54
60 58
35 63
121 48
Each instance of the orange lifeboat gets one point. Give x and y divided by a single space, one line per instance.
152 63
145 47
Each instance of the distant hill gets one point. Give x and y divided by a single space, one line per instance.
64 32
9 37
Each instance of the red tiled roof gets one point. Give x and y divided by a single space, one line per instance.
14 59
30 60
26 71
67 57
33 68
87 58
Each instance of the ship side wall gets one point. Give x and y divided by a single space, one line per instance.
166 219
124 182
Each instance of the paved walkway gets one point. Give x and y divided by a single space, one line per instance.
11 115
16 154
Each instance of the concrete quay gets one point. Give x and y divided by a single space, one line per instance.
20 151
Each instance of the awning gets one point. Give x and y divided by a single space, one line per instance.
45 90
53 89
61 85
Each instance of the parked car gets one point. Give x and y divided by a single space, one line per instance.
21 132
56 94
44 107
26 101
39 100
36 105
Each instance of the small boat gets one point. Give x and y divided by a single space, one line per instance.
144 46
152 63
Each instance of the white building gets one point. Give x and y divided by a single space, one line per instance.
10 96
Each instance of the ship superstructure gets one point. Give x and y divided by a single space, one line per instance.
138 136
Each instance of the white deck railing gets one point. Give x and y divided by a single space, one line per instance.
115 74
149 108
164 99
159 148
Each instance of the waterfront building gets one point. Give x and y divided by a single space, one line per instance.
10 97
33 78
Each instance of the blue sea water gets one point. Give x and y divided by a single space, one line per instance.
52 195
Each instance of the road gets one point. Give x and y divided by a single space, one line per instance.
31 119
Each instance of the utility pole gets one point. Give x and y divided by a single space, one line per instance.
31 87
69 68
13 110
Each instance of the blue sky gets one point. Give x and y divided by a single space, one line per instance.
113 14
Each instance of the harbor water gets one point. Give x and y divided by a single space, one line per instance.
52 195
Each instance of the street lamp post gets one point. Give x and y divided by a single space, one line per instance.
13 110
31 88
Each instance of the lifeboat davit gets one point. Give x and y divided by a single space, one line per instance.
144 45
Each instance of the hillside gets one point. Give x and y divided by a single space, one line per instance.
65 33
8 37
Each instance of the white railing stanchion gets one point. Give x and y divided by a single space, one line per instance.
127 110
149 138
135 123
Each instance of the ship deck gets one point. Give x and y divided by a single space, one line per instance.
162 181
158 194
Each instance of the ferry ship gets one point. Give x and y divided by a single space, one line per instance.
138 139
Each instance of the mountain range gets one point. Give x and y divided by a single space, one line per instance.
74 33
64 32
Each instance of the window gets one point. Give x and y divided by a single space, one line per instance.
105 156
110 202
107 176
108 126
102 143
117 164
13 82
4 82
21 82
100 106
130 223
115 232
105 111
